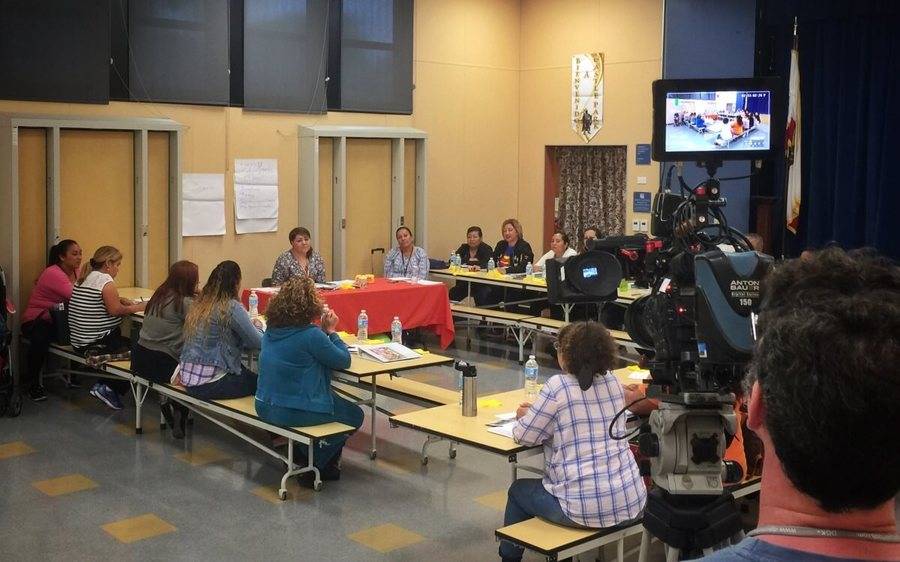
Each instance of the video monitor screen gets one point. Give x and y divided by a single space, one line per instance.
718 121
589 272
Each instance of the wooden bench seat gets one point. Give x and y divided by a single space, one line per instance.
557 541
552 326
487 314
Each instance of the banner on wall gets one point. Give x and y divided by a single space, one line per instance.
255 195
202 204
587 94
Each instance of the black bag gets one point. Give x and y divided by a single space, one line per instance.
59 315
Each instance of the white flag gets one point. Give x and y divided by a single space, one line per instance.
792 145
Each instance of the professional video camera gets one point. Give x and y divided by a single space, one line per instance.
698 319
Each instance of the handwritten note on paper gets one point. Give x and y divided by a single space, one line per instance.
256 201
256 171
255 195
202 204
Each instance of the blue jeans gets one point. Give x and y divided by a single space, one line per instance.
527 498
232 385
345 411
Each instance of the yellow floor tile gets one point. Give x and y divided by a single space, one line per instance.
68 484
138 528
295 492
14 449
385 538
202 455
495 500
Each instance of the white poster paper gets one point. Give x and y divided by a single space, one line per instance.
255 195
202 204
255 201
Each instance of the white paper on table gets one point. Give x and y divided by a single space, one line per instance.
203 187
506 429
255 201
247 226
639 375
427 282
506 416
202 218
256 171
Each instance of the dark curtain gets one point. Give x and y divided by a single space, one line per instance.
850 100
591 189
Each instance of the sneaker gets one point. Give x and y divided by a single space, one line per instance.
106 395
37 394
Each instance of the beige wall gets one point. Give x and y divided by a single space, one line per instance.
629 34
492 90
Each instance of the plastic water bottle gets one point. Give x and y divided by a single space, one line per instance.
459 387
362 326
531 376
529 270
451 262
253 302
491 265
396 330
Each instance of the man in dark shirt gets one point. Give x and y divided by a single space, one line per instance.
825 401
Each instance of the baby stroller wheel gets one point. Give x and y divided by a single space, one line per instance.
15 404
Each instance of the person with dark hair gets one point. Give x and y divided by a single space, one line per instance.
299 260
474 255
559 250
590 480
406 259
53 287
95 318
588 234
512 252
756 242
217 330
295 367
824 388
155 354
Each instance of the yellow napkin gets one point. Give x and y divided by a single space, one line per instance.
489 403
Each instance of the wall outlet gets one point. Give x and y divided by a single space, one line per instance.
642 180
635 226
644 226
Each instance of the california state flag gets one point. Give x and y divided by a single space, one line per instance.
792 144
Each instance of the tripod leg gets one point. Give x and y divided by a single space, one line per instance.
645 546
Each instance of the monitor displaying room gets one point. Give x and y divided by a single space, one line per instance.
589 272
718 121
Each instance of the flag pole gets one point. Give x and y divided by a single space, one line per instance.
789 157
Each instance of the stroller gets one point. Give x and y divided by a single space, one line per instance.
10 399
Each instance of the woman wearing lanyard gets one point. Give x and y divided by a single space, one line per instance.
406 260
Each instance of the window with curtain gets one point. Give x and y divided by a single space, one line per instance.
592 189
285 55
372 68
179 51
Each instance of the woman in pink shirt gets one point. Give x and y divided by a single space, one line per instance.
54 286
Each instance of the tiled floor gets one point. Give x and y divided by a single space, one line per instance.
77 486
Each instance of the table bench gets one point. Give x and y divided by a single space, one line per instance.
512 320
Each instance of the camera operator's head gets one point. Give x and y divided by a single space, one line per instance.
826 382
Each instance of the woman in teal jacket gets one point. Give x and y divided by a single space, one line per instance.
295 364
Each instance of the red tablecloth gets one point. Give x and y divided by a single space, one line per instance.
418 306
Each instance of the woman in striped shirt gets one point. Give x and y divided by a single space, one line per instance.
95 313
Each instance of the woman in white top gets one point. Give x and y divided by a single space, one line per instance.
95 313
406 259
559 250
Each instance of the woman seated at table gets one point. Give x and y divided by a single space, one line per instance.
474 255
300 260
155 355
95 313
406 260
512 253
53 287
295 372
559 250
590 480
217 330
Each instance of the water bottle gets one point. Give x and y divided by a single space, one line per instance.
396 330
451 262
459 387
253 302
531 376
491 265
362 326
529 270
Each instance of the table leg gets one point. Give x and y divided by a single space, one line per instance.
374 410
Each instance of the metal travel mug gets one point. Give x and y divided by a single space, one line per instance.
470 395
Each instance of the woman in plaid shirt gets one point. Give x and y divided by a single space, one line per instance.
590 480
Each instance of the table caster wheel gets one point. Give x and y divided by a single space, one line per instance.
318 486
373 454
453 453
424 461
282 495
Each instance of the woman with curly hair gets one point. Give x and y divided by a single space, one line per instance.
295 372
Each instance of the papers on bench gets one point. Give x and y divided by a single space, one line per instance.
388 352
